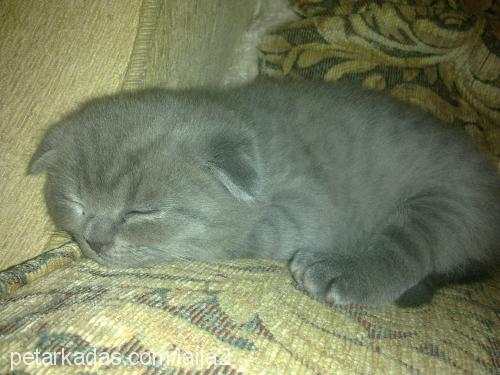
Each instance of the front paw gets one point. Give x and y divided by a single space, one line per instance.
338 278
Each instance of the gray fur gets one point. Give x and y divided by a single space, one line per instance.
367 197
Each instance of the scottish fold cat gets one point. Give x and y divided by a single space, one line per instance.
370 200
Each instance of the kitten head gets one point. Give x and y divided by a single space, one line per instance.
141 178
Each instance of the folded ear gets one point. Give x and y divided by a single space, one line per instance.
235 163
44 154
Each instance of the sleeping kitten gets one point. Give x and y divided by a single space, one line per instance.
371 200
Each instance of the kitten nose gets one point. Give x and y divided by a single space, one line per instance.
98 246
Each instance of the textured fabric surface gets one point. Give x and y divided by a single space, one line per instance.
441 55
187 44
53 55
247 316
231 317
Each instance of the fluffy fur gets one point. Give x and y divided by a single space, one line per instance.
371 200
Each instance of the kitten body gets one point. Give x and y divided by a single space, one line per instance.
367 197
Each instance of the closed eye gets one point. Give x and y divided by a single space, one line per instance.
142 214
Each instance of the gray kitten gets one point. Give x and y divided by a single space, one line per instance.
371 200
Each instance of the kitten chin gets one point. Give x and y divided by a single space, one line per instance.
368 198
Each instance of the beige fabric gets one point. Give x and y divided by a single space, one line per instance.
189 44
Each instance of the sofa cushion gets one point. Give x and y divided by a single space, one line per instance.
247 313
